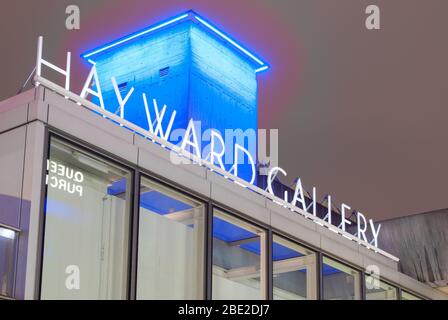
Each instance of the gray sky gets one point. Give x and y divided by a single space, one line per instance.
361 114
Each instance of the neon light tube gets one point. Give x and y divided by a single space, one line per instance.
208 25
261 69
114 44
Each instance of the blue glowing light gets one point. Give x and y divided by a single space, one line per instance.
213 77
232 42
133 36
261 69
191 15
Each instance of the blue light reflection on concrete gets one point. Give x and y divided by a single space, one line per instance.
184 64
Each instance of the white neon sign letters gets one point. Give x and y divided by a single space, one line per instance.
217 152
299 198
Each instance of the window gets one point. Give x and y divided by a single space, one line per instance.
294 271
340 282
171 244
86 239
409 296
379 290
238 259
8 239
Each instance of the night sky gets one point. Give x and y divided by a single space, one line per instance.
361 114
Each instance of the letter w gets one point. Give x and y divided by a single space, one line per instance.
156 127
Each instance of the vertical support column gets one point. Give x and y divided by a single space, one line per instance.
311 279
263 265
320 276
358 285
134 225
34 191
208 249
270 266
199 235
363 285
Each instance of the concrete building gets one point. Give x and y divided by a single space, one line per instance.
421 243
93 207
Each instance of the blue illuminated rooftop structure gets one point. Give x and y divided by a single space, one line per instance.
190 15
194 69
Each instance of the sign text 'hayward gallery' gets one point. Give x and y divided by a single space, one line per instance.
189 149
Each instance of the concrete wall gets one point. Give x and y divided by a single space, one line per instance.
21 161
421 242
138 64
207 81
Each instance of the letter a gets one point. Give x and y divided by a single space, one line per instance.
73 279
373 20
72 22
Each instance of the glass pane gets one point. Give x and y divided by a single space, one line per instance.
7 260
409 296
379 290
237 262
294 271
340 282
86 226
171 244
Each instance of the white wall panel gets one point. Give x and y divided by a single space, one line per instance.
12 151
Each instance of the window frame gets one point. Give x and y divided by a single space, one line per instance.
145 174
305 247
345 264
89 149
403 290
137 173
386 282
265 260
